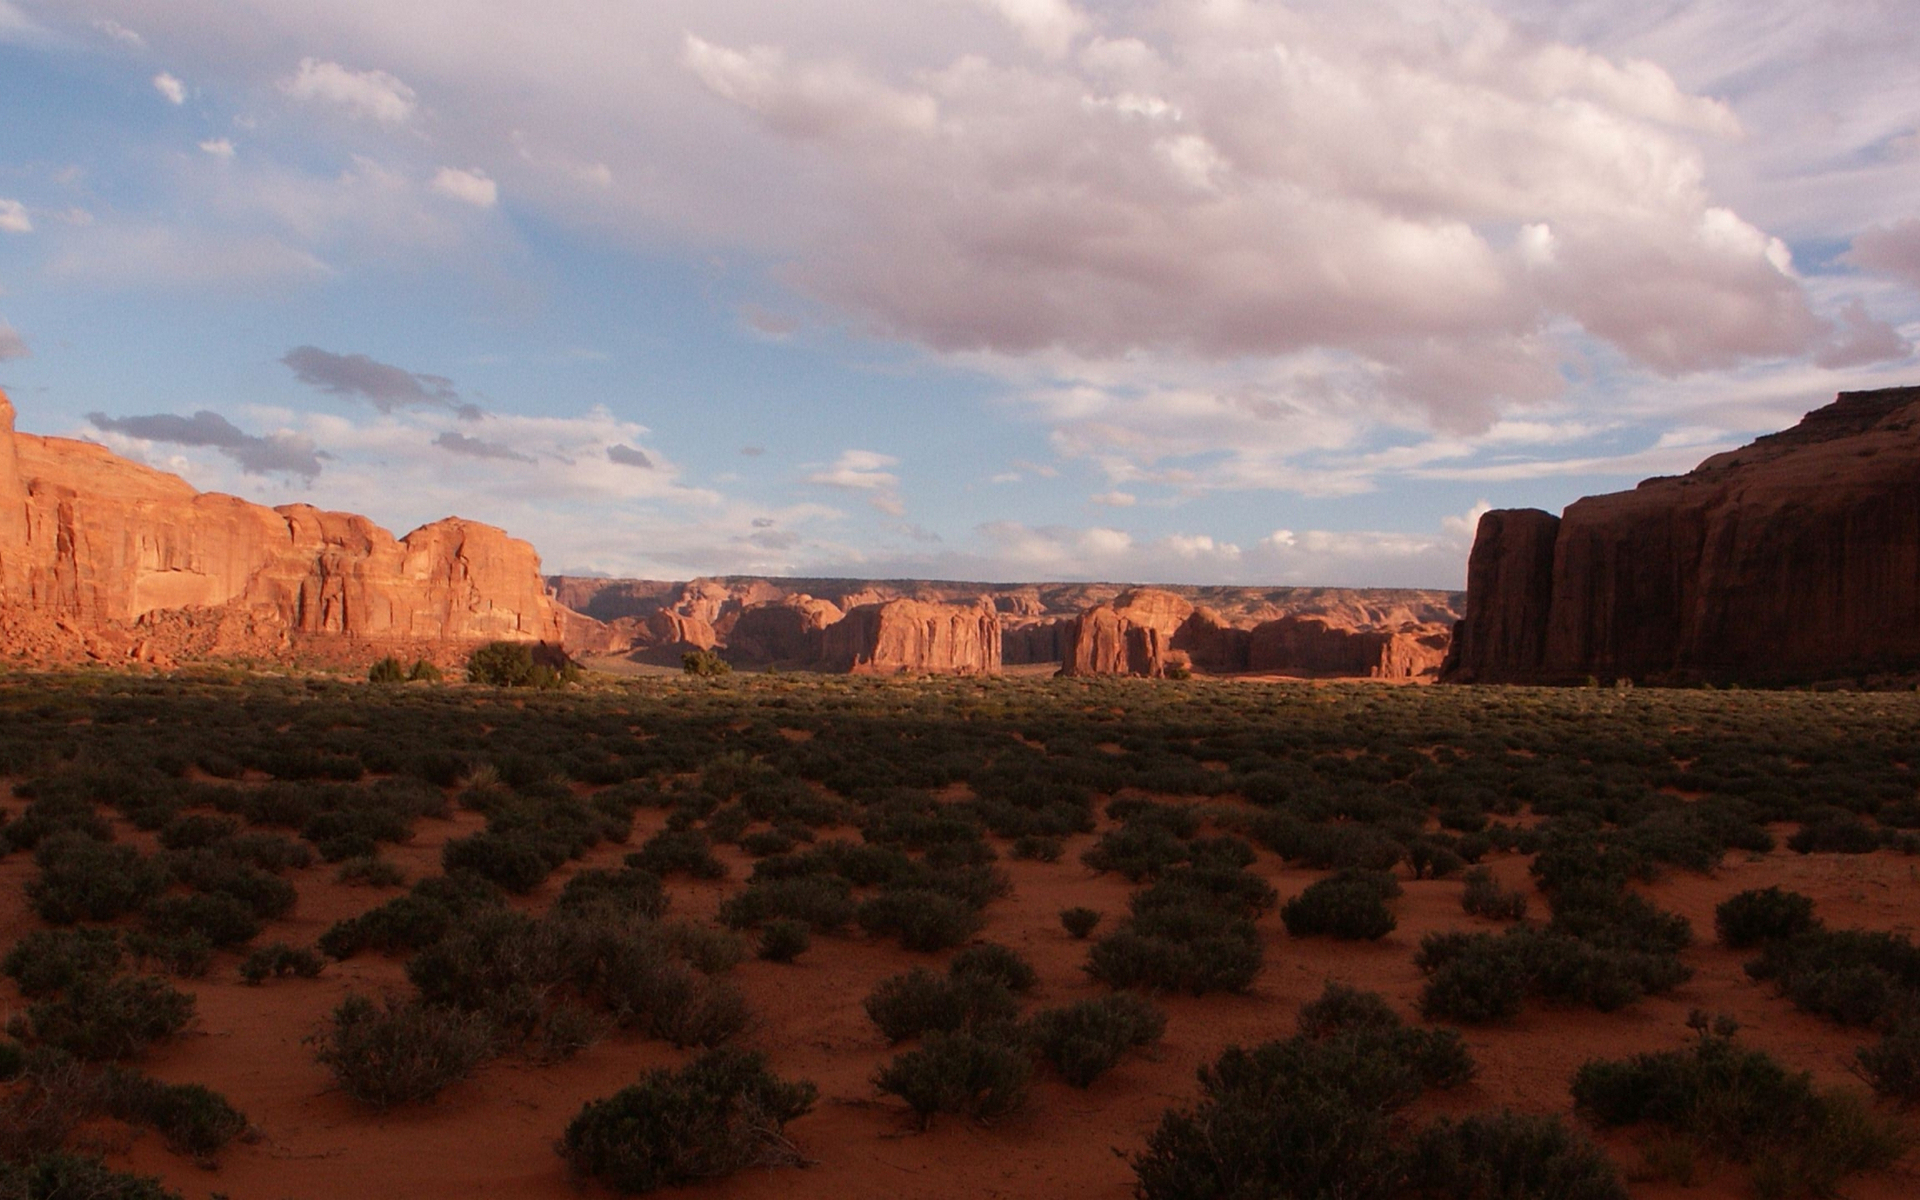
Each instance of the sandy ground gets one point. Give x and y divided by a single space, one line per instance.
493 1135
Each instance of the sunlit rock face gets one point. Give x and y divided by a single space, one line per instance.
1794 558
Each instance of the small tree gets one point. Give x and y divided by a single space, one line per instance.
386 670
705 664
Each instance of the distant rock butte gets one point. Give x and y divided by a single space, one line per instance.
109 559
1086 628
1795 558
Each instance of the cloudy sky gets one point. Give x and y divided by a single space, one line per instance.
1168 290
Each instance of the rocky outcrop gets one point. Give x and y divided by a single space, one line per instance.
1318 646
105 545
1032 642
1794 558
1132 634
781 631
912 637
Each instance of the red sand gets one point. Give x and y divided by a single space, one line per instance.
493 1135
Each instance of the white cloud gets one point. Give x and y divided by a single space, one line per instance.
221 148
153 256
14 218
1049 26
170 88
1114 499
371 94
858 470
468 187
119 33
814 101
1892 249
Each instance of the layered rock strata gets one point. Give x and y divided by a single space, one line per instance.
1794 558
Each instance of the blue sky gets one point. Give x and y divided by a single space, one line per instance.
1165 290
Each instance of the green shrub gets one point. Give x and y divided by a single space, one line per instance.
386 670
722 1112
673 850
1084 1041
1079 921
193 1119
1839 833
923 919
1892 1065
997 963
784 940
824 902
400 1053
86 880
278 960
1508 1156
973 1074
219 918
1351 905
920 1002
704 664
423 671
1762 915
1194 947
51 960
73 1177
370 870
1484 897
97 1019
626 893
501 664
188 954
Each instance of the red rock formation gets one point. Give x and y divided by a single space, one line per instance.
910 636
1318 646
1212 643
1794 558
1031 642
102 543
1130 635
782 631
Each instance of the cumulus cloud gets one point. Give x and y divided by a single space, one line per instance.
1049 26
468 187
382 385
171 89
374 95
1890 250
119 33
221 148
627 456
471 447
858 470
14 218
1859 338
12 345
1114 499
815 101
282 452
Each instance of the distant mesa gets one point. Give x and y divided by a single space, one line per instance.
108 560
1793 559
921 626
102 559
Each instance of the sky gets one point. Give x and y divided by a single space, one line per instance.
1181 291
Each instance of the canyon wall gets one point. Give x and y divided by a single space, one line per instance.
114 553
1794 558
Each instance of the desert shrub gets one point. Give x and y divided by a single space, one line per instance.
1136 851
695 1010
1084 1041
624 892
86 880
1038 848
1510 1156
683 850
920 1002
193 1119
1484 897
1227 888
704 664
784 940
1609 916
1308 1116
423 671
566 1030
217 917
188 954
1837 833
501 664
1762 915
62 1176
1351 905
370 870
277 960
400 1053
764 842
517 861
824 902
1892 1065
1744 1105
923 919
98 1019
1479 977
50 960
386 670
1342 1009
1431 860
1195 947
721 1113
975 1074
1079 921
1852 976
996 963
195 831
419 918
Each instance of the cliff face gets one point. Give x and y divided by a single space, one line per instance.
1317 646
103 544
1796 557
914 636
1132 634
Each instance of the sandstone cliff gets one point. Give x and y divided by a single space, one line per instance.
110 547
1794 558
1132 634
912 636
